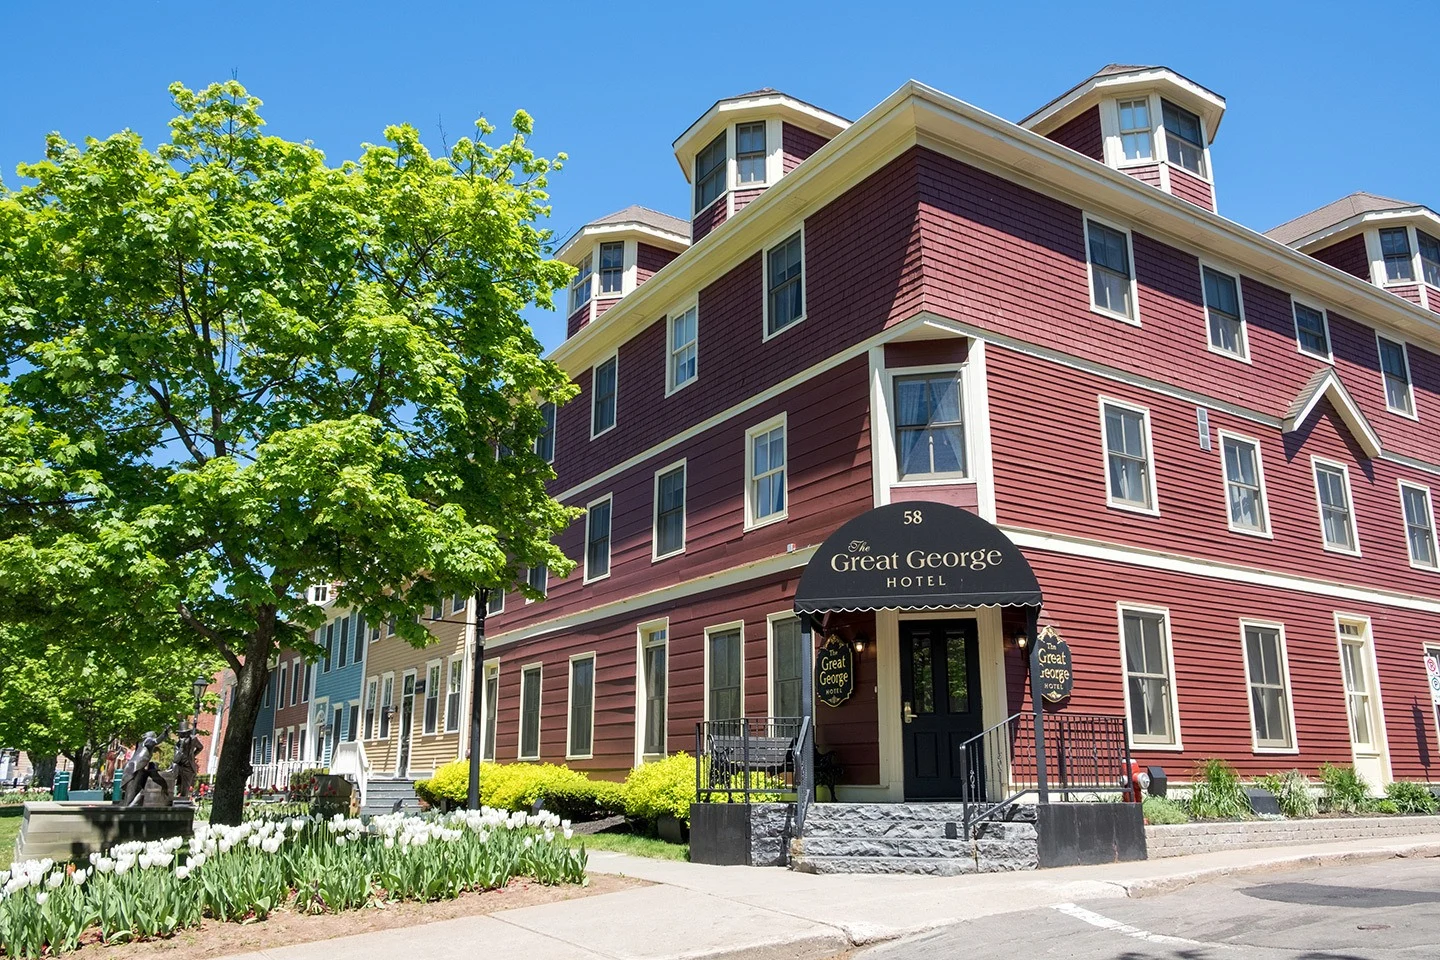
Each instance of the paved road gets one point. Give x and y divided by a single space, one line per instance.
1371 911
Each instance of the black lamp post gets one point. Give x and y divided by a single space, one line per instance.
198 687
477 683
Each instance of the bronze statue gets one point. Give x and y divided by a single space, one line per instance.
140 770
184 769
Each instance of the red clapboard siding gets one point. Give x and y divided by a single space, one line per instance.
797 143
1348 255
577 320
1432 294
708 219
1406 291
1147 173
921 353
604 303
743 197
1082 134
1187 186
649 260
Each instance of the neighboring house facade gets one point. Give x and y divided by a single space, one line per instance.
262 739
1215 447
291 706
334 707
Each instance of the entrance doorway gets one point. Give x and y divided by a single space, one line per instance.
940 709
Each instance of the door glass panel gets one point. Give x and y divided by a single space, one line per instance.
955 649
922 672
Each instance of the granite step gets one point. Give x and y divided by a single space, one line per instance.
841 846
923 866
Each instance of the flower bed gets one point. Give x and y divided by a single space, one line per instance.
243 873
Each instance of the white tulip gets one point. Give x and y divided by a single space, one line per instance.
569 833
182 872
55 880
41 897
79 877
122 866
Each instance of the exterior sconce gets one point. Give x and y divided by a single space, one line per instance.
1022 641
859 642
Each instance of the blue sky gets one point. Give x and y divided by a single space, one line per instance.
1324 98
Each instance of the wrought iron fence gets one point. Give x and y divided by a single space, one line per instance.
749 759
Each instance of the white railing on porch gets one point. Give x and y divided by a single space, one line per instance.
276 775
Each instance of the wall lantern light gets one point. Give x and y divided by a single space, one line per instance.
859 642
1022 640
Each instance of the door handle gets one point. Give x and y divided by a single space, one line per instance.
907 713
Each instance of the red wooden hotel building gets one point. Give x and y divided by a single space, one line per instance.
1214 446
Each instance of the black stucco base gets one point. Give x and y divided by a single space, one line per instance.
1084 833
720 833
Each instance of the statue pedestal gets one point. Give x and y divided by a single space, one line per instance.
72 830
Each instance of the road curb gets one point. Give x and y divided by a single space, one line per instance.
808 946
1157 886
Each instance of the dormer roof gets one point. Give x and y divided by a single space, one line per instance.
1343 215
1119 78
635 221
765 102
1325 384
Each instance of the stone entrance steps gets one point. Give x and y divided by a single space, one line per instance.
381 795
917 838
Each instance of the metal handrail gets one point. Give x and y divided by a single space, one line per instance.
982 753
804 791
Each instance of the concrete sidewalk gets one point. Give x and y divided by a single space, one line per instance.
701 911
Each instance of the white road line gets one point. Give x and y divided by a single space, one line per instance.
1106 923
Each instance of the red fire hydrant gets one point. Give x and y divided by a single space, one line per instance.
1135 782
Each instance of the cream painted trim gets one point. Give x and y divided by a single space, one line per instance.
977 399
1244 353
1134 321
609 541
883 473
1239 438
1315 464
1245 624
606 231
570 705
489 668
717 628
1403 484
1331 386
751 522
1381 744
887 706
655 555
1414 412
643 631
1122 607
766 334
726 113
1153 479
671 387
539 668
1329 357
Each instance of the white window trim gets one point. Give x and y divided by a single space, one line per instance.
655 555
371 681
1134 321
630 251
778 238
1121 609
770 621
609 542
439 667
671 387
1414 412
1376 252
780 420
1244 355
1324 323
538 666
1315 464
1279 628
569 705
382 705
1265 532
593 282
774 158
528 599
1162 148
891 374
614 355
1379 741
495 592
1154 509
444 722
555 427
1114 148
719 628
1403 484
489 668
642 719
283 691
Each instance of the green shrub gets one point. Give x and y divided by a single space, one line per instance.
1162 810
1345 790
665 786
1216 792
516 786
583 798
1411 797
1292 790
1384 805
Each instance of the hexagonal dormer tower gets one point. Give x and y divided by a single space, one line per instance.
614 255
1149 122
742 145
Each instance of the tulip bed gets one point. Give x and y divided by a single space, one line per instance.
143 890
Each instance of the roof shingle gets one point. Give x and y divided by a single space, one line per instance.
1329 215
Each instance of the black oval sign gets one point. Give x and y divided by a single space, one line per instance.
1057 673
834 672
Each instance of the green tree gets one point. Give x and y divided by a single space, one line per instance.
235 371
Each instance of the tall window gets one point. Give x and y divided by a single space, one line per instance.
297 668
597 540
602 403
1184 142
1127 453
612 267
710 173
1357 684
432 697
284 685
1147 677
357 633
492 700
1311 331
352 730
765 491
342 642
669 511
530 712
387 699
1244 484
1429 257
725 679
337 727
1135 129
1269 696
684 352
580 286
371 691
786 295
1395 368
1332 487
1419 524
785 656
452 694
929 431
582 707
750 152
495 602
653 663
305 690
329 644
1222 307
1395 247
269 690
539 579
1112 284
545 442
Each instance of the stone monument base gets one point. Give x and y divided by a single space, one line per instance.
72 830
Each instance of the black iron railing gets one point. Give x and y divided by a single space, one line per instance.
750 759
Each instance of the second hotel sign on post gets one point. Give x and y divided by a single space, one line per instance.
834 672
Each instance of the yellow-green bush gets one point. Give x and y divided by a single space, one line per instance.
516 786
665 786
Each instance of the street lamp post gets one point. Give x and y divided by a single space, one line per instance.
198 687
477 673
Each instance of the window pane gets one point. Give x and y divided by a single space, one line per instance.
582 698
1135 129
655 693
787 293
1242 476
710 173
929 436
750 152
785 667
530 713
1310 330
922 674
1418 528
670 512
957 673
492 696
1183 139
603 410
725 675
597 551
1429 257
1149 681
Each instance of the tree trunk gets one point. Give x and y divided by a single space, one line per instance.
80 772
44 768
233 770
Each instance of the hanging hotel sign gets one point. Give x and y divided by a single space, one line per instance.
1057 673
918 556
834 672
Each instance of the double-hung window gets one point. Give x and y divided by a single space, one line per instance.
452 694
580 286
297 668
684 350
1224 313
654 656
1395 248
785 278
785 654
1332 489
1136 141
387 701
371 692
1184 140
612 268
597 540
358 639
1312 332
580 737
495 601
1129 472
669 511
1395 369
602 396
725 677
1429 257
545 442
352 730
539 579
1419 524
929 430
1148 684
1244 485
432 697
329 644
765 469
492 700
710 173
530 711
1354 652
1112 281
284 686
1269 686
750 152
343 646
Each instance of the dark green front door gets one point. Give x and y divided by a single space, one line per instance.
940 708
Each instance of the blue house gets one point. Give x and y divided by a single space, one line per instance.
338 676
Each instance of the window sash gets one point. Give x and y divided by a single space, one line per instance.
1244 491
670 512
284 685
1395 248
545 442
683 348
603 397
929 426
495 602
612 267
1110 272
597 543
1396 371
492 696
767 476
1136 141
726 679
371 694
432 698
1429 257
750 152
452 696
710 173
1147 669
785 652
582 703
1269 697
1184 142
1222 306
656 692
1419 531
530 713
297 681
1357 691
1330 487
580 286
387 700
787 284
538 578
1310 330
1129 457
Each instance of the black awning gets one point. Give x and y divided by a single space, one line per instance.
917 555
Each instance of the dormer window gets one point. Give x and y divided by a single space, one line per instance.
710 173
1429 257
580 286
750 152
612 268
1395 247
1136 138
1184 142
